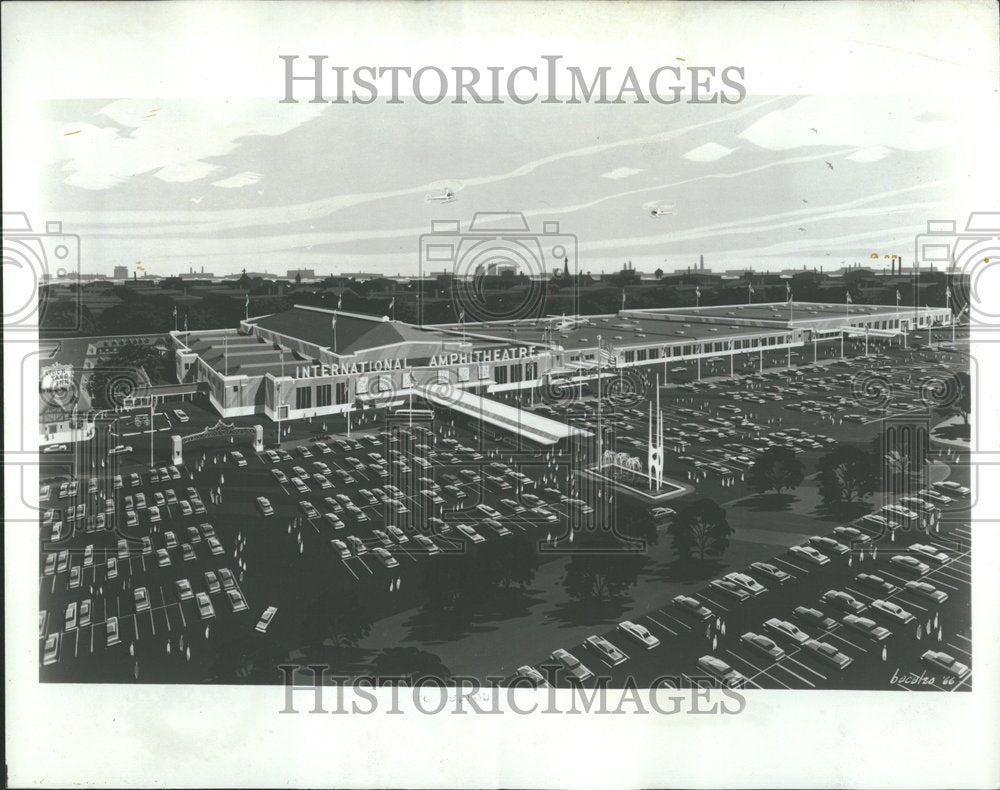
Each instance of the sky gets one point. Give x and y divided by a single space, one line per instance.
769 183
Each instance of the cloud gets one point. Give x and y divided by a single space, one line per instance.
872 154
709 152
894 122
168 140
622 172
243 179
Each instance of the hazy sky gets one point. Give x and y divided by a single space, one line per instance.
771 182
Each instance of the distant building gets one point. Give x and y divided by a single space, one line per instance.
303 274
121 273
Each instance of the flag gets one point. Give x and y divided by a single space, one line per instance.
623 298
697 291
392 303
461 316
246 303
898 297
185 322
333 322
340 300
750 289
175 311
788 291
849 298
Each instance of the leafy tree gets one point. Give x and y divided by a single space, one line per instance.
127 373
298 278
340 618
602 575
848 474
456 585
410 663
512 560
701 529
775 469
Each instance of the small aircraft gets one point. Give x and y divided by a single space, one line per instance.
657 209
447 196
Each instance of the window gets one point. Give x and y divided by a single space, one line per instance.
341 392
484 371
516 372
463 374
500 374
324 395
303 397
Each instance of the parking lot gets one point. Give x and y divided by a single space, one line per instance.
371 510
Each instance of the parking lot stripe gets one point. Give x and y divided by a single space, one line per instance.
791 565
714 602
960 650
757 669
665 628
781 665
803 666
681 623
847 641
962 636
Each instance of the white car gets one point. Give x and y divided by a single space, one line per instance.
571 664
945 663
893 611
929 552
181 416
748 583
608 651
265 506
639 633
238 458
721 671
265 619
470 533
810 554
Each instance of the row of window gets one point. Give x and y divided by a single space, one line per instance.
326 395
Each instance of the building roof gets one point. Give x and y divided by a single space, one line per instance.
354 333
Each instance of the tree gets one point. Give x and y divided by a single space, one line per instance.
659 274
700 528
775 469
339 618
602 575
298 278
410 663
511 561
848 474
456 585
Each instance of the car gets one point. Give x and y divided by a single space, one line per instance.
111 568
917 504
748 583
532 676
333 520
264 505
730 588
299 485
111 628
186 509
215 546
763 644
827 653
88 555
608 651
50 564
265 619
876 582
71 616
639 633
171 496
946 663
496 526
140 501
357 545
893 611
50 650
829 544
272 456
427 544
236 600
488 511
814 617
162 558
951 488
935 497
158 499
141 597
280 476
787 630
571 665
238 458
194 536
341 548
852 534
398 535
207 530
385 557
205 608
773 572
307 508
75 577
929 552
928 591
122 549
809 554
181 416
910 564
227 578
304 451
470 533
692 606
721 671
663 512
843 601
866 626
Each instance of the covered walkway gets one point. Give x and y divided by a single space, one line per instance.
530 426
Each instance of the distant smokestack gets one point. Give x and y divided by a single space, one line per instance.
701 262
